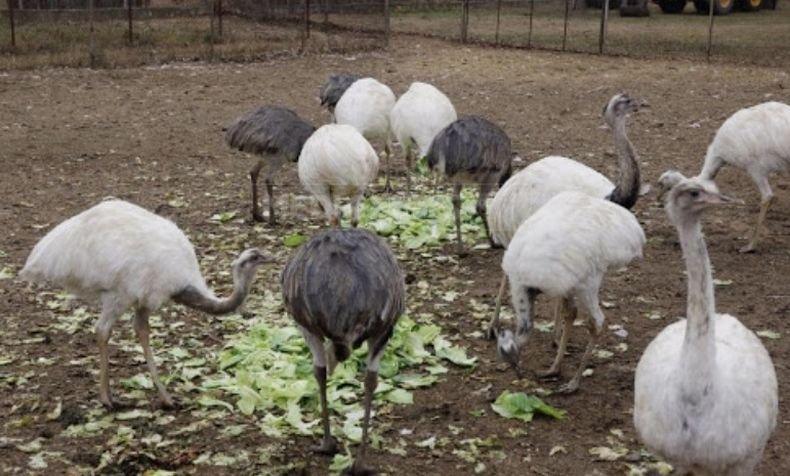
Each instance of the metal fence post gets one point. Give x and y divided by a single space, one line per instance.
386 22
11 19
565 24
529 33
498 14
710 31
464 20
91 36
604 22
306 17
129 15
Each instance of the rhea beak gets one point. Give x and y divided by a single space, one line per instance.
508 350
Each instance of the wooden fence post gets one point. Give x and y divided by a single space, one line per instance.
11 19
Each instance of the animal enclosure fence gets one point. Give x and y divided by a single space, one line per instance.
146 31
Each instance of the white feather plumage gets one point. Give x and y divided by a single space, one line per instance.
142 257
563 250
738 414
529 189
418 115
126 257
337 160
757 140
366 105
705 391
573 239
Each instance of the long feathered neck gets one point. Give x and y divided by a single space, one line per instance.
208 303
698 354
626 190
712 164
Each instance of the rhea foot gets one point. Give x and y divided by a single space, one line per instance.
327 447
750 248
359 470
570 387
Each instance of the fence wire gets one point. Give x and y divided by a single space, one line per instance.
58 31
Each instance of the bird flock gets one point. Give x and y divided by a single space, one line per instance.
705 388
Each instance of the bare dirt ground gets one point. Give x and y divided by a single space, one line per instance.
154 136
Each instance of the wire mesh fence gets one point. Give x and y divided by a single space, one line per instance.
127 32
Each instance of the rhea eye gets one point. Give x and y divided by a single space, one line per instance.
694 194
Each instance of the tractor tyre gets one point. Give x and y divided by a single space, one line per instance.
672 6
613 4
635 10
720 7
751 5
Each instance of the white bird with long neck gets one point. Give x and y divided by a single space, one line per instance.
564 250
757 140
529 189
126 257
705 392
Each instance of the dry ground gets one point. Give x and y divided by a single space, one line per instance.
153 135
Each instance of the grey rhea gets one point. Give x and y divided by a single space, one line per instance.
472 150
345 287
277 135
334 87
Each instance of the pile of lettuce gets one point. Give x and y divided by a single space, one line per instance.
268 371
421 221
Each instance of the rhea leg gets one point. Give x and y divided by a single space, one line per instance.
355 209
409 165
274 166
595 323
485 189
111 311
494 324
325 198
315 343
142 330
256 207
767 198
564 309
457 210
371 381
388 152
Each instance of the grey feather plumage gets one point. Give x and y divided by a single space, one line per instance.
269 130
474 146
335 86
345 286
472 150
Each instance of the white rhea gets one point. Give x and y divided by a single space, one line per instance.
757 140
529 189
337 160
705 394
417 117
366 105
564 250
127 257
